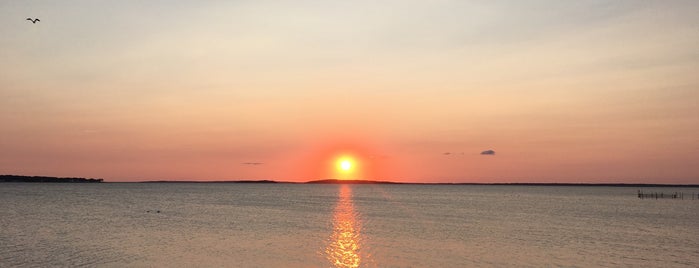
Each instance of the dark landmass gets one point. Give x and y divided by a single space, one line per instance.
333 181
18 178
238 181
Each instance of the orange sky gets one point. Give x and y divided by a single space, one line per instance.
591 91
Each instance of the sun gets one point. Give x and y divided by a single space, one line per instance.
345 165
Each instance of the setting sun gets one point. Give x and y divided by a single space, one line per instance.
347 167
345 164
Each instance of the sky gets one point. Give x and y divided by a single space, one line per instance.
412 91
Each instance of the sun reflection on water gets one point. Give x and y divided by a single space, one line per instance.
344 246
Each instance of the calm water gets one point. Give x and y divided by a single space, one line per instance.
284 225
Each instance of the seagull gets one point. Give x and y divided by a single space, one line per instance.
33 20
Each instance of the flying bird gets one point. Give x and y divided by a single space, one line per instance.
33 20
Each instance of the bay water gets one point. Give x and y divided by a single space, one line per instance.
330 225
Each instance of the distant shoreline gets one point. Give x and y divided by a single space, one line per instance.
332 181
48 179
39 179
234 181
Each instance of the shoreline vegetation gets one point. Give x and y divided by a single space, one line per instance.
37 179
34 179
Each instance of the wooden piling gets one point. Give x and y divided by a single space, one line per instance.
660 195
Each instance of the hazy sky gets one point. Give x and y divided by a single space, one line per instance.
562 91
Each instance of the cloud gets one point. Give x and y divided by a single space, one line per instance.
488 152
252 163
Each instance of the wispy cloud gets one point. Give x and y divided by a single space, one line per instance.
488 152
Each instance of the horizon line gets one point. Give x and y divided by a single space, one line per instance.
340 181
363 181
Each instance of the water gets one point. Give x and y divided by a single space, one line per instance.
290 225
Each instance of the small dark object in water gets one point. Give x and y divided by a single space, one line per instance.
158 211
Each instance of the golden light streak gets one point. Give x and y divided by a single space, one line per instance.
344 246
